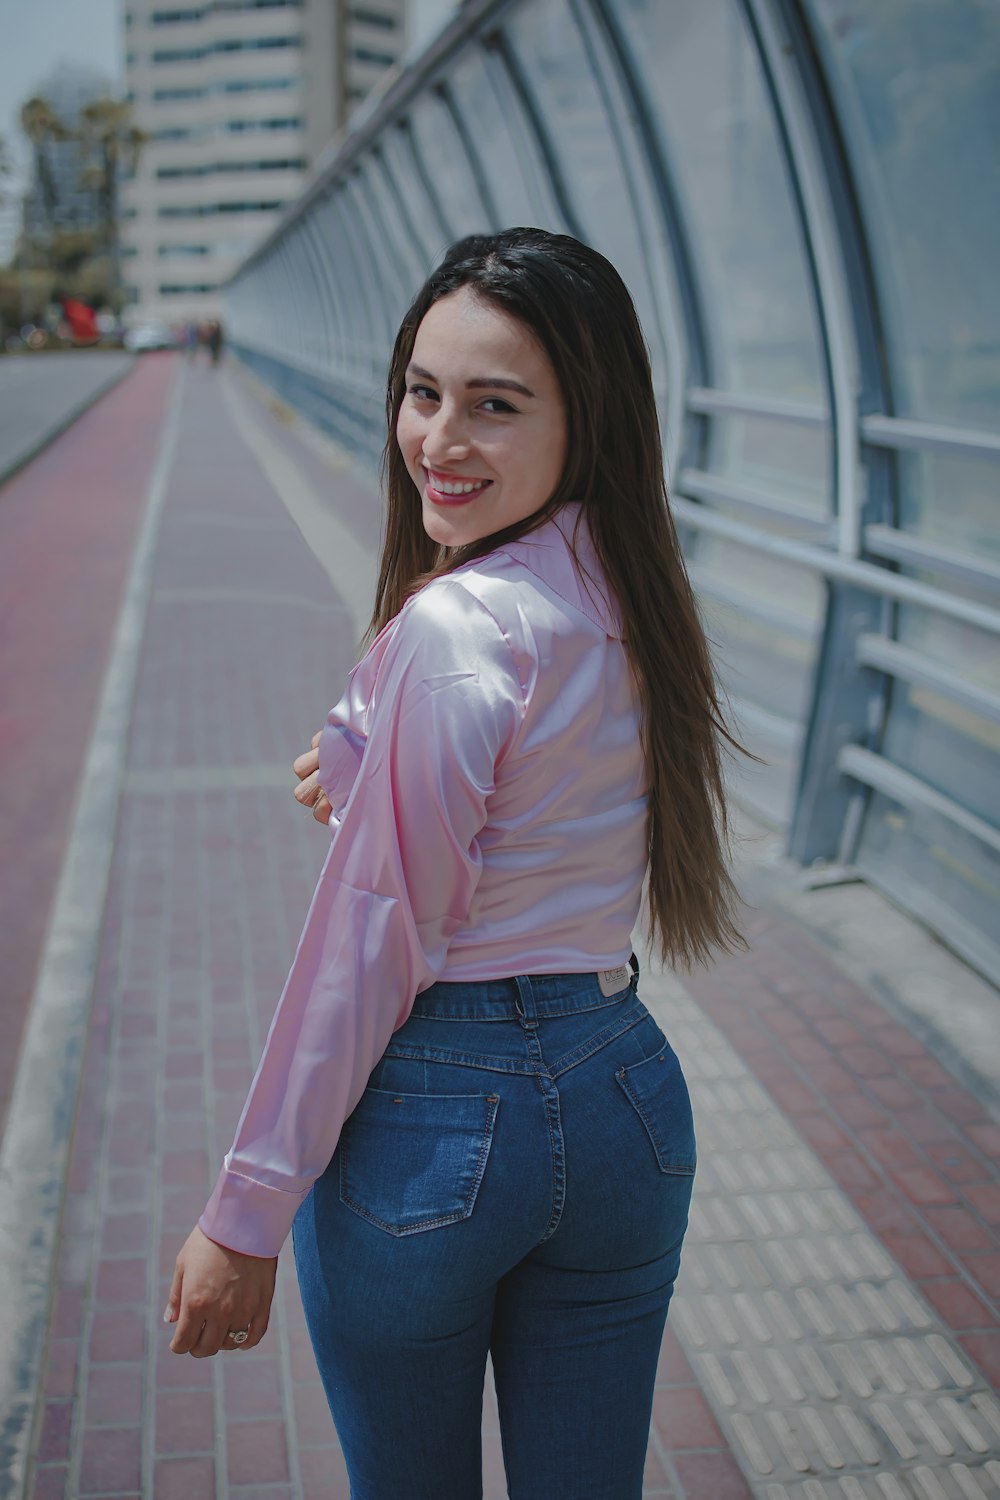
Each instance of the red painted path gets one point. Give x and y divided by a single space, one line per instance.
68 524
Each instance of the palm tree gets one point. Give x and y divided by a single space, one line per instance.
42 126
113 143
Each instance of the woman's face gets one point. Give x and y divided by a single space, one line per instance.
482 427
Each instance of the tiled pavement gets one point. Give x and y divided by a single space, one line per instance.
835 1330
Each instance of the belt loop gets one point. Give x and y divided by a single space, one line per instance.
525 1002
634 962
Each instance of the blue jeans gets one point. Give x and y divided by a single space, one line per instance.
516 1179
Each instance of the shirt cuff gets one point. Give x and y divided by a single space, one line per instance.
248 1216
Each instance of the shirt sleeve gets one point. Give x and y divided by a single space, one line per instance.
397 884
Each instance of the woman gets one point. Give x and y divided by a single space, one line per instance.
533 731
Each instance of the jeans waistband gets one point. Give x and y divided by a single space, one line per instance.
526 996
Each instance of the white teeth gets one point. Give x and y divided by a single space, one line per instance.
461 488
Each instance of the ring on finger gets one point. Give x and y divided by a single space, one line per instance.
239 1337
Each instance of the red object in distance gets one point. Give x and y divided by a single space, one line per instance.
82 322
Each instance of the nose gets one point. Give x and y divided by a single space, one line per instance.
445 436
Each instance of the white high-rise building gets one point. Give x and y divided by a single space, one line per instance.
237 99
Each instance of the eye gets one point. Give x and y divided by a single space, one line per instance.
422 392
498 406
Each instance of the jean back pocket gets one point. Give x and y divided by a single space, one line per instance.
411 1162
657 1091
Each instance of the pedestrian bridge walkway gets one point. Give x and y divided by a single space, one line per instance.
185 574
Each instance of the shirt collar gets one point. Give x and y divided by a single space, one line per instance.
548 554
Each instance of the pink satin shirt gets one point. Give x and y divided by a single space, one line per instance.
489 819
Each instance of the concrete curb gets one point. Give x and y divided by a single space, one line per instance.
65 420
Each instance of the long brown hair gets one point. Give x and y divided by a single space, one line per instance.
580 312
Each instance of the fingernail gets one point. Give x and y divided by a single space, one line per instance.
166 1316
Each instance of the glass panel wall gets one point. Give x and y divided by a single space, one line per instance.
389 212
553 60
385 280
787 461
396 147
955 892
358 331
915 84
328 316
446 170
500 138
969 523
701 74
700 71
927 177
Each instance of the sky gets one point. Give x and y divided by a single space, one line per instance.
38 34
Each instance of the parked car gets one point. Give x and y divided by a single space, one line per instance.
150 336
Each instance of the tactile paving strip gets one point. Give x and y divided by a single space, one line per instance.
832 1377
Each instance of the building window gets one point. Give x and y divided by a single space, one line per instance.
293 164
169 17
206 210
243 126
366 55
228 44
251 85
257 5
372 18
161 96
183 250
178 133
169 290
179 54
254 43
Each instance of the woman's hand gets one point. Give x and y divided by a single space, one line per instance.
216 1292
309 792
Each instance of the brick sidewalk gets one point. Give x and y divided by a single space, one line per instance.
917 1154
246 646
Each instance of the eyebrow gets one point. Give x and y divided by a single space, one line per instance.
478 382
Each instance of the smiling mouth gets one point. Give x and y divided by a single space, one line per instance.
454 490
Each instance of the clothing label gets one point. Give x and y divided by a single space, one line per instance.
613 981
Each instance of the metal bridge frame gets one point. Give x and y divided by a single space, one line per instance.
314 310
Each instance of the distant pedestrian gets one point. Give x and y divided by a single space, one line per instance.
213 340
483 1137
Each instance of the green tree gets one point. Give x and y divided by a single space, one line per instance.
43 126
7 187
111 143
25 293
71 249
6 167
